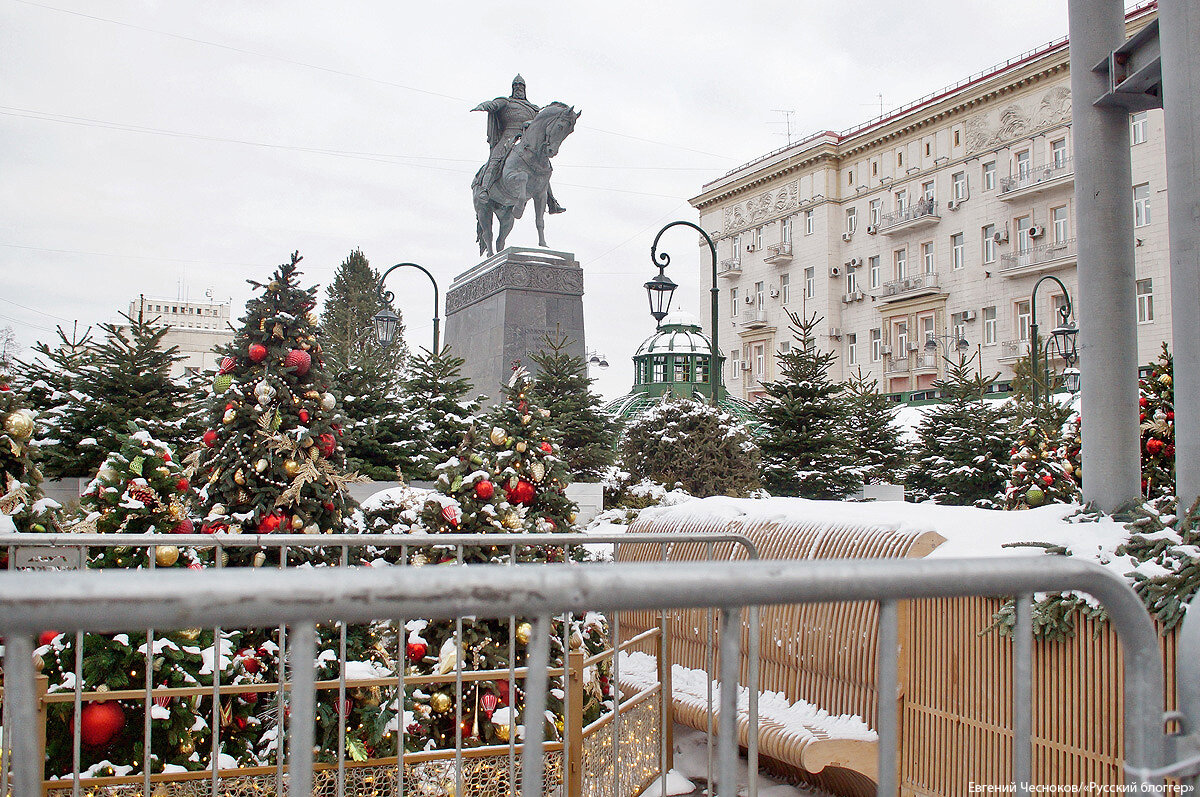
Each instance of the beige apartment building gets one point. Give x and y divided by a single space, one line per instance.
197 328
931 223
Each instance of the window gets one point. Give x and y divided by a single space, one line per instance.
785 230
900 158
1021 310
756 237
957 138
760 361
874 209
957 251
927 190
735 365
1058 153
928 149
809 222
989 244
681 368
876 345
901 200
851 281
733 297
989 325
851 220
1145 301
874 168
660 368
785 287
927 257
1024 241
876 270
901 263
1058 222
900 335
958 327
989 176
1022 163
1141 205
852 349
701 366
850 178
958 182
926 328
810 282
759 295
785 346
737 247
1137 128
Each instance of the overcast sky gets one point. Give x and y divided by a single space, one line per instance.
172 148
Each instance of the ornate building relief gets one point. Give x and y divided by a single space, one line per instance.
762 207
546 279
989 129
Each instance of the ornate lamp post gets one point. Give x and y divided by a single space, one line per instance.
1062 340
386 321
596 359
946 342
662 287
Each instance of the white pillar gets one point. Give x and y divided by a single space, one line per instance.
1107 304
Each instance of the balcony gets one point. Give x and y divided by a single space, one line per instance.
926 362
917 215
910 288
1046 257
1011 350
778 254
1040 178
756 320
895 364
730 268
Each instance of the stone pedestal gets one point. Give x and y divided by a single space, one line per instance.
498 312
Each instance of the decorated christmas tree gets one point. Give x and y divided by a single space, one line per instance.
435 411
964 442
1157 416
880 452
1038 469
22 505
587 432
804 431
272 459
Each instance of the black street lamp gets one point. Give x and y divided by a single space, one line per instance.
946 341
662 287
1062 341
598 360
386 321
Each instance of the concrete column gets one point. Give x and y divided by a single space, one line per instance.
1179 38
1107 305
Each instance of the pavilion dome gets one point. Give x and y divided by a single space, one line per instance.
679 333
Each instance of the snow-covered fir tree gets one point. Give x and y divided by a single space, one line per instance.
680 441
879 449
1038 469
804 431
435 411
587 432
964 442
1157 415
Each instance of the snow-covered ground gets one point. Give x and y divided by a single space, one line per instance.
690 775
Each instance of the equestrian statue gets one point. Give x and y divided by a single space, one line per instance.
523 138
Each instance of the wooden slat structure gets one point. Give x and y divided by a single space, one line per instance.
955 676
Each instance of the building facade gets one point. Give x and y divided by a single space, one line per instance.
932 223
198 329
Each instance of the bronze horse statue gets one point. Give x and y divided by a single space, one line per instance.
524 175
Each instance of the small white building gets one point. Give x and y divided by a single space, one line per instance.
197 328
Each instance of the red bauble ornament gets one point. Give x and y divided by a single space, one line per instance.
227 365
183 527
269 523
327 444
46 637
415 651
166 456
484 490
1141 416
246 658
195 566
239 722
328 506
521 494
488 702
1170 415
1154 445
100 722
547 447
257 352
1048 479
1143 402
303 416
210 438
1169 450
182 485
298 359
213 528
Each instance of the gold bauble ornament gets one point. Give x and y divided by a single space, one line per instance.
273 285
291 467
190 634
524 633
229 416
175 511
187 747
297 522
260 559
165 555
522 447
512 520
498 436
440 702
260 466
501 732
311 394
571 517
538 471
525 419
239 477
1165 379
19 424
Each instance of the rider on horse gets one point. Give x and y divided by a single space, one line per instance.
507 119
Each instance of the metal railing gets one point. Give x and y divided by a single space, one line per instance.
1012 349
778 253
730 267
108 601
1042 173
917 210
918 282
64 552
1037 255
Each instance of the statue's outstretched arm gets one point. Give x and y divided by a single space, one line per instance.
488 105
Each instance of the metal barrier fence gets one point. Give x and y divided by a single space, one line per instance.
73 551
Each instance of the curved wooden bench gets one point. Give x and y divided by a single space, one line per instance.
821 654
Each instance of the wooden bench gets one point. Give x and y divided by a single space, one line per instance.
821 654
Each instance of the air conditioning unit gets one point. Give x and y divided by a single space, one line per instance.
968 315
746 366
1000 237
774 293
749 299
835 271
835 332
846 236
913 345
858 296
1037 231
885 350
750 247
954 204
855 262
872 229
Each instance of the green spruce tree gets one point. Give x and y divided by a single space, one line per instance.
347 325
964 442
878 447
804 430
435 411
587 432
